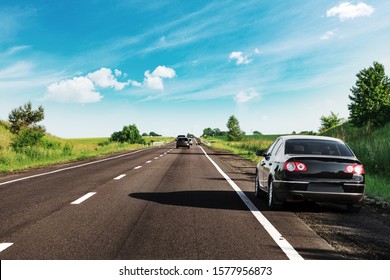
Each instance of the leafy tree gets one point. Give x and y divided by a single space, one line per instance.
25 117
129 134
208 132
330 121
24 125
152 133
256 132
234 133
370 97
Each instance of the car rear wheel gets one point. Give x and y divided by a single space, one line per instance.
257 191
271 198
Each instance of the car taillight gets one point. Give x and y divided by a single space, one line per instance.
294 166
354 169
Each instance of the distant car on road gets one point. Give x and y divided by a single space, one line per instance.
316 168
182 142
190 140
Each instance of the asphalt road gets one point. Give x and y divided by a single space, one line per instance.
158 203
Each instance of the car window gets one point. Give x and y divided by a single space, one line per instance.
279 149
317 147
271 149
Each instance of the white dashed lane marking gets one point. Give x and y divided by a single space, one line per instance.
83 198
156 158
138 167
120 177
149 161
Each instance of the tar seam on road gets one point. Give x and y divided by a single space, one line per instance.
4 246
68 168
289 250
83 198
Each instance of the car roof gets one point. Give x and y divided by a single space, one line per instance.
310 137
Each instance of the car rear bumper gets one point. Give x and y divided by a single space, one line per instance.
326 191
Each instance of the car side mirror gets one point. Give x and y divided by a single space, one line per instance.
260 153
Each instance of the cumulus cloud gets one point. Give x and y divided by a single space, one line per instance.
239 58
155 80
246 96
76 90
346 10
105 79
83 89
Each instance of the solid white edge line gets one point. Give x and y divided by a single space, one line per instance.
286 247
4 246
120 177
138 167
83 198
69 168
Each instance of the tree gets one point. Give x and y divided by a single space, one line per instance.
234 133
154 134
128 134
330 121
370 97
256 132
208 132
24 125
25 117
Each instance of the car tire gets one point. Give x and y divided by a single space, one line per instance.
271 198
258 192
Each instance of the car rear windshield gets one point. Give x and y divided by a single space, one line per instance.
317 147
182 139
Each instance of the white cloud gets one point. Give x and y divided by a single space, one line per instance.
347 10
328 35
257 51
243 97
239 57
117 72
76 90
105 79
155 80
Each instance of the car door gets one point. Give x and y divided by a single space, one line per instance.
267 163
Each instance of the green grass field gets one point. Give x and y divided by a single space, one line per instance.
54 150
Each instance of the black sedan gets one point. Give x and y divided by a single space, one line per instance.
182 142
316 168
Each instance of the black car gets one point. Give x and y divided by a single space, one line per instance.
316 168
182 142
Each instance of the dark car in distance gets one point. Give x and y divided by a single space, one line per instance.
182 142
314 168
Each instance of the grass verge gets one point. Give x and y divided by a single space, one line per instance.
55 150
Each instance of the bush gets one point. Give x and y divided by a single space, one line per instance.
27 137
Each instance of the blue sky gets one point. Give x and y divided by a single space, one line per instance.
174 67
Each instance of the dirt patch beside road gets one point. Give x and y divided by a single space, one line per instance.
362 236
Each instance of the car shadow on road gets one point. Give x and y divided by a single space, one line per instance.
200 199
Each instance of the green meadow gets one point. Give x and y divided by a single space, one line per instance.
53 150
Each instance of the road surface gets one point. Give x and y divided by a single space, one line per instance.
157 203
